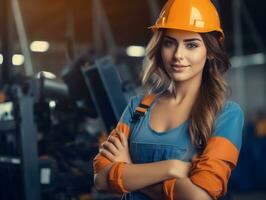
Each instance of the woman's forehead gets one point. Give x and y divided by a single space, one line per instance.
182 34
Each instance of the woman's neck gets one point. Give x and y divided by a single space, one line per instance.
186 91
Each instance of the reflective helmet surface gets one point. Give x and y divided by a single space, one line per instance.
192 15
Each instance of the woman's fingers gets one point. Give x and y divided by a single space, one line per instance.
107 154
116 142
110 147
123 138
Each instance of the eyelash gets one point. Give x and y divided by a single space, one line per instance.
169 43
191 45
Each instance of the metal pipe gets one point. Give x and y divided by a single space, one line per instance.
22 37
252 28
5 69
105 26
154 10
238 51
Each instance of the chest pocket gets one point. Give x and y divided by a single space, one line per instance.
146 153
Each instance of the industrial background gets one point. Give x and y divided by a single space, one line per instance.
67 71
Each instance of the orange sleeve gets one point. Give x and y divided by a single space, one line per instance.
115 180
99 161
211 170
168 189
115 173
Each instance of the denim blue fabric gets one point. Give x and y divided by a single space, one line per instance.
147 145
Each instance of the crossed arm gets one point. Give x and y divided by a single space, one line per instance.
184 190
148 178
210 170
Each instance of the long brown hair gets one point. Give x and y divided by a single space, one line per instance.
213 92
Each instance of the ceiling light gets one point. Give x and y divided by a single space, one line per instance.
18 59
136 51
1 59
39 46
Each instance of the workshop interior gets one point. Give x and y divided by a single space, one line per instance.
68 69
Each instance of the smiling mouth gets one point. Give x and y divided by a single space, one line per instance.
179 66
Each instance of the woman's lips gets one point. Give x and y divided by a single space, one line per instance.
178 67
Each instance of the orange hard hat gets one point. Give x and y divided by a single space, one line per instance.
191 15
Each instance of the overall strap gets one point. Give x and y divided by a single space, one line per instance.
143 106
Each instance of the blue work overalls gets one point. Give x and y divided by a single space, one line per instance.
147 145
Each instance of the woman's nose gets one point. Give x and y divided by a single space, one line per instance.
178 54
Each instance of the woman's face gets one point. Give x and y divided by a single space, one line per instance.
183 54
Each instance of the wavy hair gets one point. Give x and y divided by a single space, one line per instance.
213 92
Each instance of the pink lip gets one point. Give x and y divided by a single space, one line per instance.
178 66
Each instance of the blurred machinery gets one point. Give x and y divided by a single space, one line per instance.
49 130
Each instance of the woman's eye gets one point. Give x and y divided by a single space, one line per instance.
168 43
191 45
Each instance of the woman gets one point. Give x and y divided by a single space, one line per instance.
182 139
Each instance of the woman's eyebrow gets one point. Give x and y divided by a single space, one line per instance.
170 38
192 39
186 40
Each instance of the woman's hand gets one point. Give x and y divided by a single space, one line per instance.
116 149
179 169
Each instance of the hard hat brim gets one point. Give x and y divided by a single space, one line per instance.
155 28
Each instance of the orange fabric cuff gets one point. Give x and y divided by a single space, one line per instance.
212 169
168 189
222 148
99 161
212 176
115 178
